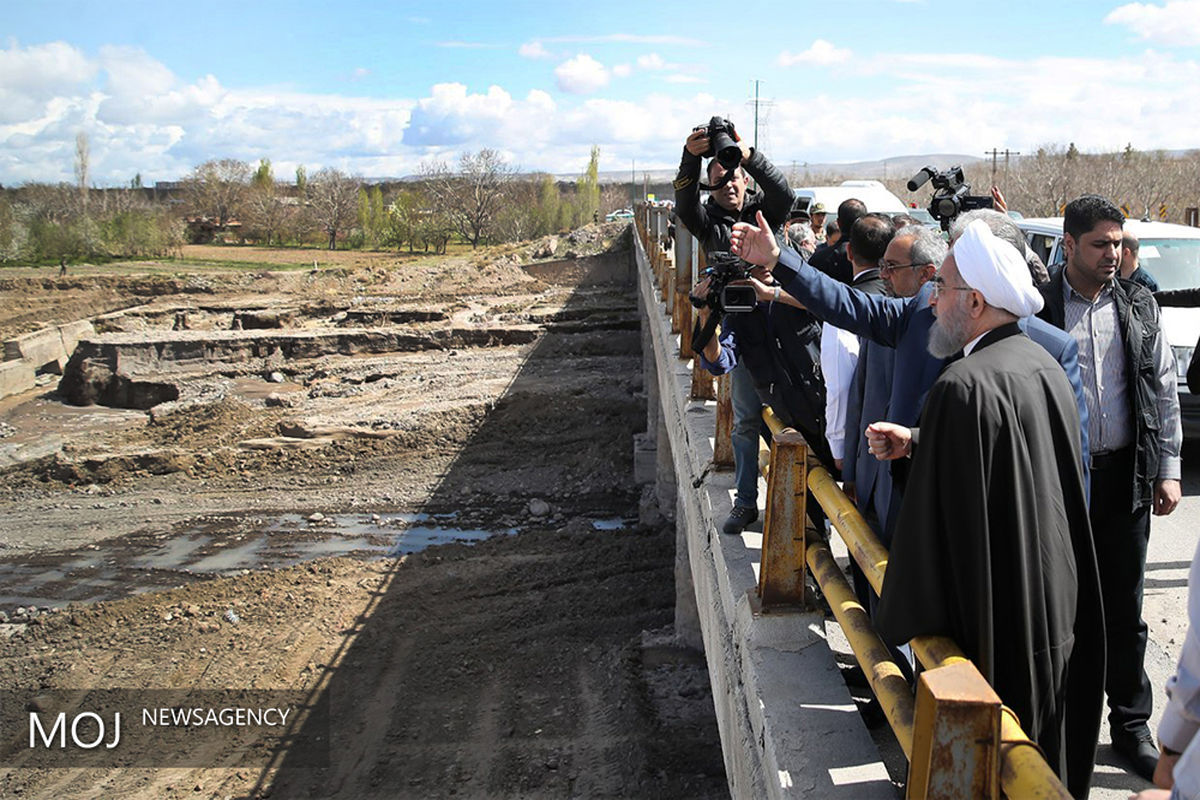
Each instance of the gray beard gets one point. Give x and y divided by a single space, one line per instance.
946 340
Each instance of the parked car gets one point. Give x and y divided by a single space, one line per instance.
620 213
1171 254
874 195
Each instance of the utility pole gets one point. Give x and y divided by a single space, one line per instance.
632 183
994 153
756 82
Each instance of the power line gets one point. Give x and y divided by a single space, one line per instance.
994 153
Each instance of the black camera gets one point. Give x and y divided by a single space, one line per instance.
723 269
951 194
723 143
723 146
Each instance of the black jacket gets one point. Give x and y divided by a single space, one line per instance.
780 346
712 224
1138 317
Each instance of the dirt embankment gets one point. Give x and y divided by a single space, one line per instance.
520 666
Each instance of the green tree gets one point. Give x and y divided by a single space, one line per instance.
587 195
548 202
263 176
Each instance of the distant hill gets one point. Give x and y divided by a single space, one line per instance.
897 166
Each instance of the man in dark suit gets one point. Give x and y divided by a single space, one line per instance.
911 259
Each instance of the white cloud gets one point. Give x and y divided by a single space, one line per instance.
533 50
622 70
359 73
141 117
651 61
581 75
821 53
1177 23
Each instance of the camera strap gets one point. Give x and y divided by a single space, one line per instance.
700 336
726 178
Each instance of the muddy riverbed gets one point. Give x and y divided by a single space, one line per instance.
443 539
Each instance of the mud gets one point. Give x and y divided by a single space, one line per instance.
496 619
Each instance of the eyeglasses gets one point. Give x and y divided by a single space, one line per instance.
939 286
886 269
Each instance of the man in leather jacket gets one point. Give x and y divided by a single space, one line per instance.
711 222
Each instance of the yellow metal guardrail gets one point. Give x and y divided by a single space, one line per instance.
959 739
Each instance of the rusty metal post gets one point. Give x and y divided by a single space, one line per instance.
668 287
956 736
781 571
683 287
722 444
702 382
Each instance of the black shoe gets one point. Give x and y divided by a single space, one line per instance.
1139 750
738 519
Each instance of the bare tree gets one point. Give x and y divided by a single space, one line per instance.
470 198
266 208
216 189
333 198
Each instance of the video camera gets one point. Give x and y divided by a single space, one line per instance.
723 146
951 194
723 269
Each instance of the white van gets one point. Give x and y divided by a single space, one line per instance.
874 195
1171 254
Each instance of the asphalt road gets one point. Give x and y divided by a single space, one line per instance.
1172 544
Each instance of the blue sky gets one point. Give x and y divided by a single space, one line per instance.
378 88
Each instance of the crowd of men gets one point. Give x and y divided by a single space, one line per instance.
1006 431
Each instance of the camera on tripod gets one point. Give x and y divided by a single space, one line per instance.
951 194
723 269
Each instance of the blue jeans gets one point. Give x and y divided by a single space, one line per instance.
747 422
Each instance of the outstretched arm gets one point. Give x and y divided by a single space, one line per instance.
875 317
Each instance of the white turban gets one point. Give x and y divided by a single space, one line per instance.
996 269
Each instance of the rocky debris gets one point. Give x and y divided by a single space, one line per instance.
277 400
260 319
89 381
546 248
538 507
6 430
276 377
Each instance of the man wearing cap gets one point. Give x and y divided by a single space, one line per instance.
817 214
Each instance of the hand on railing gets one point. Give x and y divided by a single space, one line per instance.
889 441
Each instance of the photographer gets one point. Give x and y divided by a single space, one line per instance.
778 342
711 222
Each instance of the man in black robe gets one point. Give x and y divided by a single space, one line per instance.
993 546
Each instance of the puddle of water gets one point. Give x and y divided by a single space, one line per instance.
140 563
243 556
173 552
610 524
416 539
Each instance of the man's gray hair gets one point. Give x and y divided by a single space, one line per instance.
1000 224
928 247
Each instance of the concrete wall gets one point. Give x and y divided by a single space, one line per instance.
789 728
46 350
